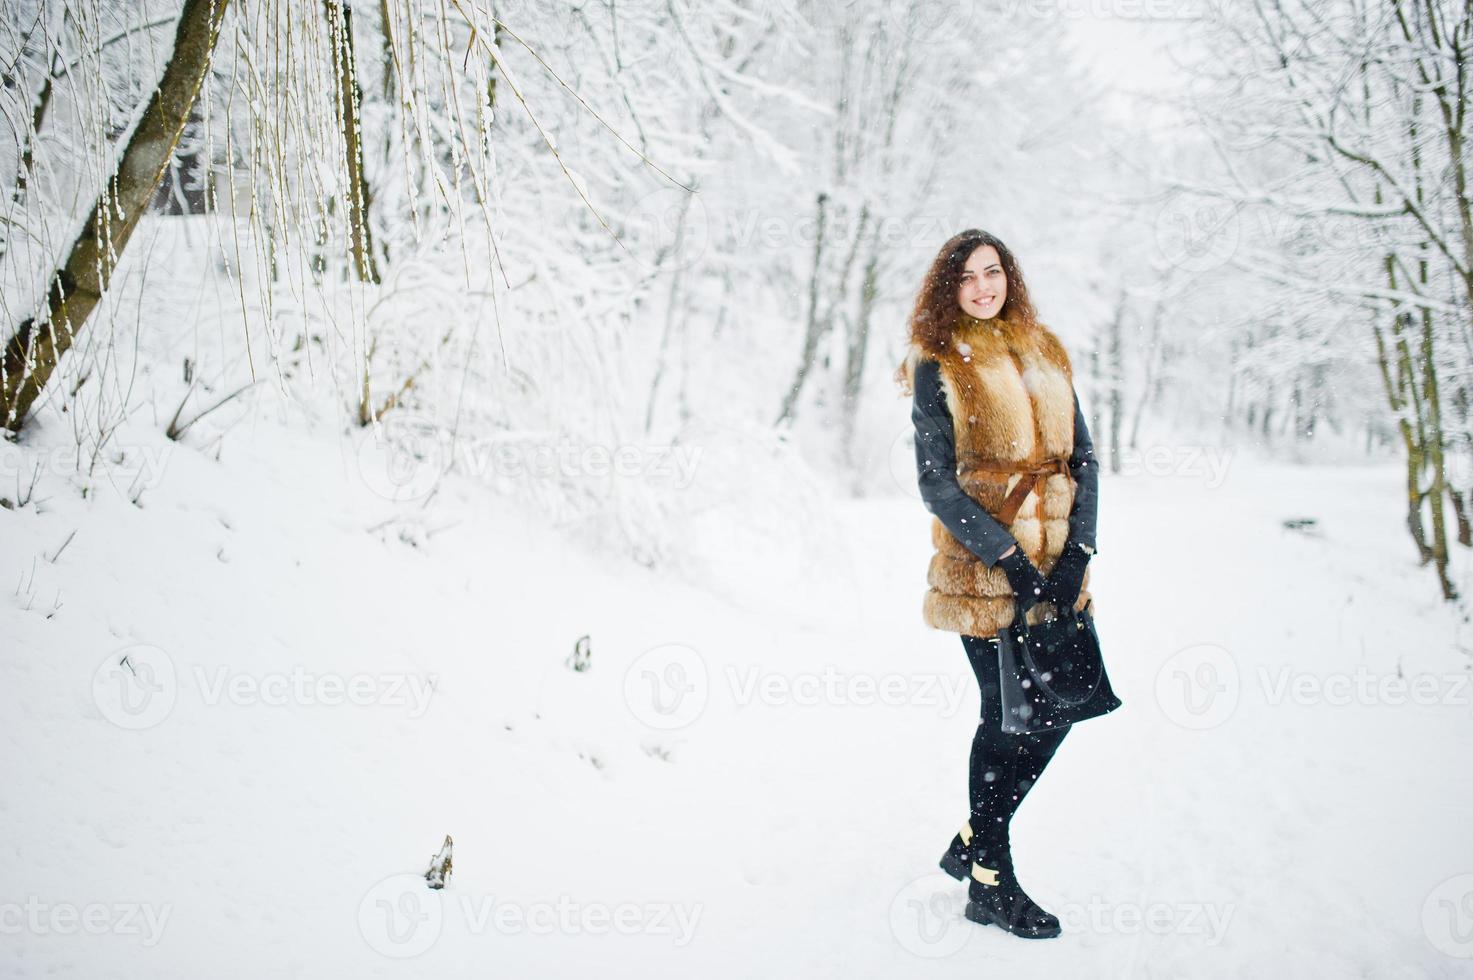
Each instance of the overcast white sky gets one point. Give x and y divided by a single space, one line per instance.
1135 52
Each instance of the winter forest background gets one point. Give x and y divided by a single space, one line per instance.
540 353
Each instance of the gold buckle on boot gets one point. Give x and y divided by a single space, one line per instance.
987 876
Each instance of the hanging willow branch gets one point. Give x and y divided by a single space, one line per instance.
33 351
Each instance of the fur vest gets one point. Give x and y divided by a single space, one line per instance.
1010 391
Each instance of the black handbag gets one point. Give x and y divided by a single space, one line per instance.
1051 674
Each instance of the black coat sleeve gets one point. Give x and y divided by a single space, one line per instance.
981 533
1086 471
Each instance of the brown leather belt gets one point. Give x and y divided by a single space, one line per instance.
1032 480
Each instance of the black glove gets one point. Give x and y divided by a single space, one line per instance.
1028 585
1067 578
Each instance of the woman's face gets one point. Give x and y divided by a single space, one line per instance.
984 286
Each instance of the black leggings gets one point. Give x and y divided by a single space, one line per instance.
1003 767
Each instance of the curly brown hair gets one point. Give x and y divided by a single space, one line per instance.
936 309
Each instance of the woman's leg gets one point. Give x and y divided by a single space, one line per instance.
1003 767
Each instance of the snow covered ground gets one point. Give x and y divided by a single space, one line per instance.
757 773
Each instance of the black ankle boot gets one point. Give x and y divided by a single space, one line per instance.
996 897
957 861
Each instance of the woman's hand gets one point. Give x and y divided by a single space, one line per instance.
1067 578
1028 585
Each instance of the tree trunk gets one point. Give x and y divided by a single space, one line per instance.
815 324
854 362
491 69
1116 368
349 97
76 287
1409 441
1148 384
386 26
1460 512
672 300
1435 457
27 157
1095 397
23 171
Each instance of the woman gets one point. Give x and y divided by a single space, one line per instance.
1007 469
